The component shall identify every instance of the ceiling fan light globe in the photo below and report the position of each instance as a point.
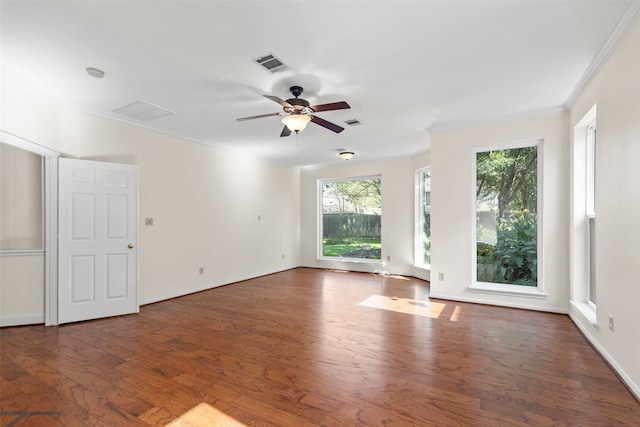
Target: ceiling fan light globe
(296, 122)
(347, 155)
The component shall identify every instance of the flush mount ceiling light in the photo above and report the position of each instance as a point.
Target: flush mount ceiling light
(296, 122)
(95, 72)
(346, 154)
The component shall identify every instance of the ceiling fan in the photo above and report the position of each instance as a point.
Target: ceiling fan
(298, 112)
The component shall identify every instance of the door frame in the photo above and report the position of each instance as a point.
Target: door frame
(50, 204)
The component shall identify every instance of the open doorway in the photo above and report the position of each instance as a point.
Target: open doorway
(28, 238)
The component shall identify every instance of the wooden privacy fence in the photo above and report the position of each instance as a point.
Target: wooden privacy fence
(342, 225)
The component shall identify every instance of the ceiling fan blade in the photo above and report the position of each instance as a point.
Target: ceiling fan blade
(324, 123)
(285, 132)
(278, 100)
(242, 119)
(332, 106)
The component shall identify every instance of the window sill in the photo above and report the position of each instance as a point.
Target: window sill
(425, 267)
(517, 290)
(588, 313)
(352, 260)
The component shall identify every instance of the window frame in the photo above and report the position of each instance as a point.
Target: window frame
(590, 210)
(580, 223)
(418, 257)
(505, 288)
(320, 228)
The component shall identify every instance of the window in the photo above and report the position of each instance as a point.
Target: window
(351, 218)
(423, 230)
(583, 219)
(591, 211)
(507, 221)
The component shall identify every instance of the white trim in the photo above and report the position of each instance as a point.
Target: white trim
(507, 289)
(508, 304)
(22, 319)
(425, 267)
(587, 332)
(453, 126)
(609, 47)
(579, 264)
(204, 288)
(50, 197)
(51, 240)
(588, 313)
(16, 141)
(22, 252)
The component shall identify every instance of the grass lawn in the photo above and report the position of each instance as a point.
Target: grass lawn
(355, 244)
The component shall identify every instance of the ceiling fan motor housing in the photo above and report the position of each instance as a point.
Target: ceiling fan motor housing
(296, 91)
(298, 105)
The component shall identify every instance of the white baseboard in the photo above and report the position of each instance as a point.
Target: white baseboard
(587, 331)
(500, 303)
(22, 319)
(202, 288)
(179, 294)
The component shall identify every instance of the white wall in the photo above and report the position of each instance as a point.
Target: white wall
(20, 199)
(452, 210)
(205, 202)
(398, 193)
(21, 290)
(616, 91)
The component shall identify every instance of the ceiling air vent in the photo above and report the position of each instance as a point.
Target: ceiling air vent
(353, 122)
(143, 111)
(271, 63)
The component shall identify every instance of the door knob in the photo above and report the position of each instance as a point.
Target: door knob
(130, 245)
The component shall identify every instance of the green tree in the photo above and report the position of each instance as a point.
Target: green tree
(511, 175)
(360, 194)
(355, 196)
(506, 180)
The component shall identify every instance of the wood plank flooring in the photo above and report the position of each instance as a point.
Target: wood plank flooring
(310, 347)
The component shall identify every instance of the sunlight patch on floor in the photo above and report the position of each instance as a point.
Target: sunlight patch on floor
(204, 415)
(457, 312)
(404, 305)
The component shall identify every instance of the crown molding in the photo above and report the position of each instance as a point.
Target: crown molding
(24, 144)
(629, 18)
(452, 126)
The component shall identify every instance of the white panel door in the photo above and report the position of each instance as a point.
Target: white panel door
(97, 236)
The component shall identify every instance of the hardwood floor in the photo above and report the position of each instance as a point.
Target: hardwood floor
(311, 347)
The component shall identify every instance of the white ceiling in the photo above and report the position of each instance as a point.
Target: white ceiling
(407, 68)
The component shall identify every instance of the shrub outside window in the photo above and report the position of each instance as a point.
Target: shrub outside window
(507, 220)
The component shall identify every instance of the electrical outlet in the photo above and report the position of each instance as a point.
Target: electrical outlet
(282, 256)
(201, 270)
(611, 322)
(388, 258)
(259, 217)
(441, 277)
(148, 221)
